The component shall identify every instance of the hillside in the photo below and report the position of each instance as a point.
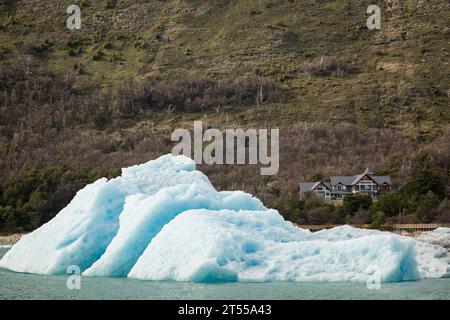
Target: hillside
(77, 105)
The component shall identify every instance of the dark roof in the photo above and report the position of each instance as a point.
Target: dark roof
(345, 180)
(310, 186)
(359, 177)
(352, 180)
(382, 179)
(307, 186)
(378, 179)
(327, 184)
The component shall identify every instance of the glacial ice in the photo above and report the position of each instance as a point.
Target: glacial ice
(163, 220)
(255, 246)
(144, 216)
(440, 236)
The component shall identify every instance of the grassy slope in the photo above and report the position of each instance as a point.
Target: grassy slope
(402, 70)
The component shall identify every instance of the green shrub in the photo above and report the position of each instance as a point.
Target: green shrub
(353, 203)
(378, 220)
(111, 4)
(98, 55)
(390, 203)
(34, 198)
(102, 119)
(426, 177)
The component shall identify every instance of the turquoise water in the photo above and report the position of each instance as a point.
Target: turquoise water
(27, 286)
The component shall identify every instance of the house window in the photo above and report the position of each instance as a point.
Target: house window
(339, 187)
(357, 188)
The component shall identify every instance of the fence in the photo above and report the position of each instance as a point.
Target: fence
(390, 227)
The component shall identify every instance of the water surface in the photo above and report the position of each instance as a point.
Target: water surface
(28, 286)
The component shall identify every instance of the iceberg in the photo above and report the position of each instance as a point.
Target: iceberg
(144, 216)
(440, 237)
(254, 246)
(163, 220)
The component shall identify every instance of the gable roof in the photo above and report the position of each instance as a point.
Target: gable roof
(345, 180)
(377, 179)
(310, 186)
(327, 184)
(352, 180)
(368, 172)
(307, 186)
(360, 177)
(382, 179)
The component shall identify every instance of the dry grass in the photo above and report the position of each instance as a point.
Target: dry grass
(329, 66)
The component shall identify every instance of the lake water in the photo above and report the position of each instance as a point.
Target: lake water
(27, 286)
